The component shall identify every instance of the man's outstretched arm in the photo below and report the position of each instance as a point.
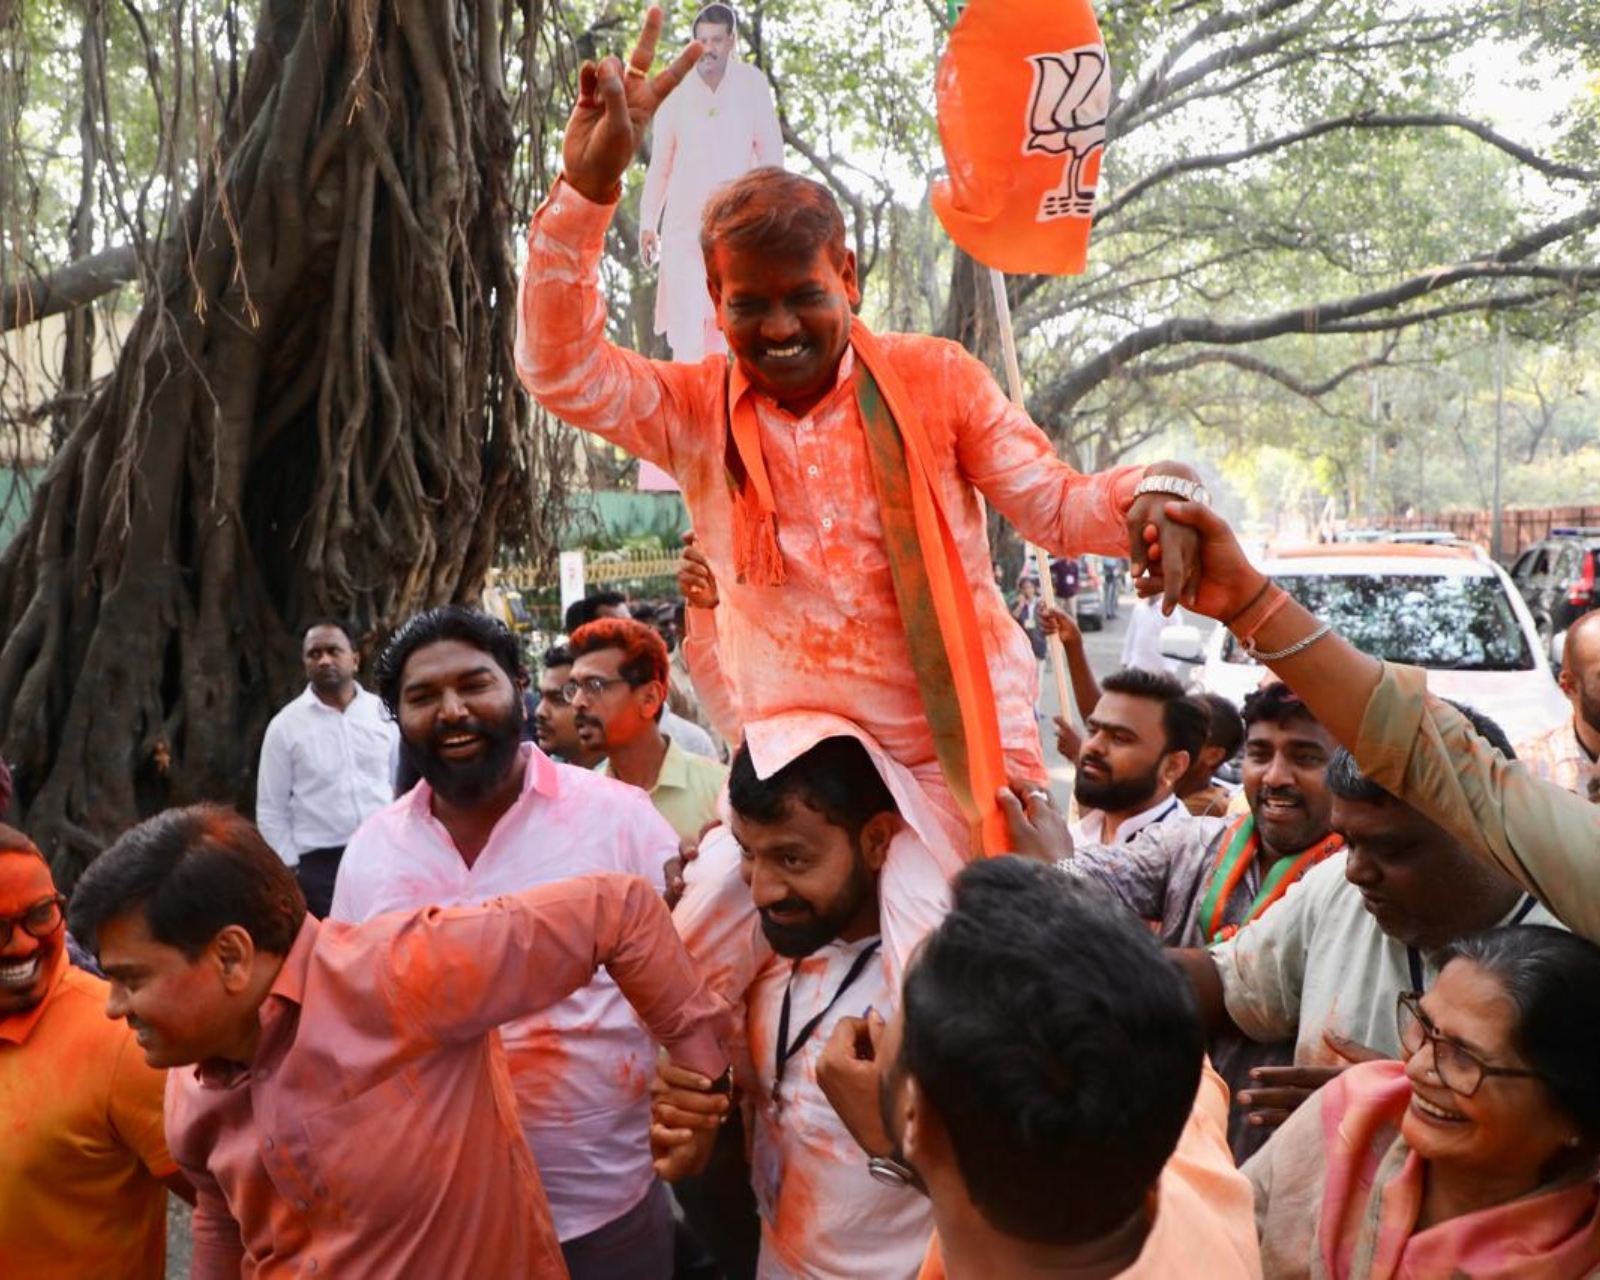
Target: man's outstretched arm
(1407, 741)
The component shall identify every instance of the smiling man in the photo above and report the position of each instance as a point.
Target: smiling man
(338, 1094)
(327, 764)
(494, 816)
(1325, 965)
(1142, 736)
(1204, 879)
(84, 1169)
(837, 482)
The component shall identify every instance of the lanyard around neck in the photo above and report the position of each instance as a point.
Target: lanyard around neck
(1414, 957)
(785, 1048)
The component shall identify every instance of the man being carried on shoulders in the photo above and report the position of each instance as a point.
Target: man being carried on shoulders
(836, 480)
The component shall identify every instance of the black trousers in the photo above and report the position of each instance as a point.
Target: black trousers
(316, 872)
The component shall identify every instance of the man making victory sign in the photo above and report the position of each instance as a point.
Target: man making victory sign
(835, 478)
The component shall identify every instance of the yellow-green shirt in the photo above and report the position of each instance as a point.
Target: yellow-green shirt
(686, 790)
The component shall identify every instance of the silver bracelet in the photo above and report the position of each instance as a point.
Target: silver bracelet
(1249, 645)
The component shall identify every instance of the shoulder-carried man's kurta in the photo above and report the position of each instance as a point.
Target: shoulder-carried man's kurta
(831, 638)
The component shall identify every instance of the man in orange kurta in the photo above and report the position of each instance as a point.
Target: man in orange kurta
(84, 1168)
(827, 634)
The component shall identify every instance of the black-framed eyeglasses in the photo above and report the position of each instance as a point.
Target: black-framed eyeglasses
(38, 921)
(1459, 1070)
(594, 686)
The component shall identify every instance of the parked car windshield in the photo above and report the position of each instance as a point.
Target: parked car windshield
(1423, 620)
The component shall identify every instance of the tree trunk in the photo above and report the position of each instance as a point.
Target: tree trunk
(316, 412)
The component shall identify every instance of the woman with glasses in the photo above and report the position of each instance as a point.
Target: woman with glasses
(1476, 1155)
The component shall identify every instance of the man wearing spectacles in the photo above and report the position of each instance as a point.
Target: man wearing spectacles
(618, 692)
(84, 1168)
(492, 816)
(554, 725)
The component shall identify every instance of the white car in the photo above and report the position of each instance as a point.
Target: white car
(1446, 609)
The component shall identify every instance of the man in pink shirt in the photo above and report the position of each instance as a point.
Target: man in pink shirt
(493, 816)
(350, 1113)
(773, 454)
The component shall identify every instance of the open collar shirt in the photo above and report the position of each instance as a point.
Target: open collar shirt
(835, 625)
(1319, 962)
(324, 771)
(823, 1217)
(1089, 829)
(581, 1067)
(374, 1133)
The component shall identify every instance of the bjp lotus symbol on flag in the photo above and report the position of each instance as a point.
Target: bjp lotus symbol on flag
(1024, 90)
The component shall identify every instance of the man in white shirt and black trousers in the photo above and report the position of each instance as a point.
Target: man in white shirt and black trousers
(327, 762)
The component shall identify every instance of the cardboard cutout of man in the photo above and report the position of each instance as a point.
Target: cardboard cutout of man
(720, 123)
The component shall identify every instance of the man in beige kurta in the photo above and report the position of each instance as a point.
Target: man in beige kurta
(719, 123)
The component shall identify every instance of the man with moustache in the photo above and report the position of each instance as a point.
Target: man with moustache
(1202, 880)
(554, 728)
(327, 764)
(84, 1167)
(495, 816)
(1326, 963)
(783, 914)
(1567, 754)
(618, 692)
(1143, 734)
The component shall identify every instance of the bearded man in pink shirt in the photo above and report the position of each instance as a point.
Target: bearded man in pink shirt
(494, 815)
(349, 1112)
(837, 481)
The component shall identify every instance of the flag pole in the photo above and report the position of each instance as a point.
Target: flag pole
(1047, 591)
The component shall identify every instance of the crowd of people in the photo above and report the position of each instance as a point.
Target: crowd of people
(759, 948)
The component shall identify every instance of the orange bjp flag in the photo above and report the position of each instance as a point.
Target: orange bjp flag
(1024, 87)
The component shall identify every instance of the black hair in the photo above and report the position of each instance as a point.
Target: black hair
(588, 609)
(557, 655)
(836, 778)
(343, 628)
(1346, 780)
(1184, 720)
(1273, 703)
(720, 14)
(1224, 728)
(193, 872)
(446, 622)
(1553, 979)
(1059, 1047)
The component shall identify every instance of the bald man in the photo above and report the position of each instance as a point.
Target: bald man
(1566, 755)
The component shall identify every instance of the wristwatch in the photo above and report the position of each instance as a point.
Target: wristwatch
(1177, 486)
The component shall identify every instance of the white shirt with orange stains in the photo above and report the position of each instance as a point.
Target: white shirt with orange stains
(581, 1069)
(822, 1215)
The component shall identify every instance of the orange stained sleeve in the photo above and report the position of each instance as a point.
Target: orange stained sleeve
(459, 972)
